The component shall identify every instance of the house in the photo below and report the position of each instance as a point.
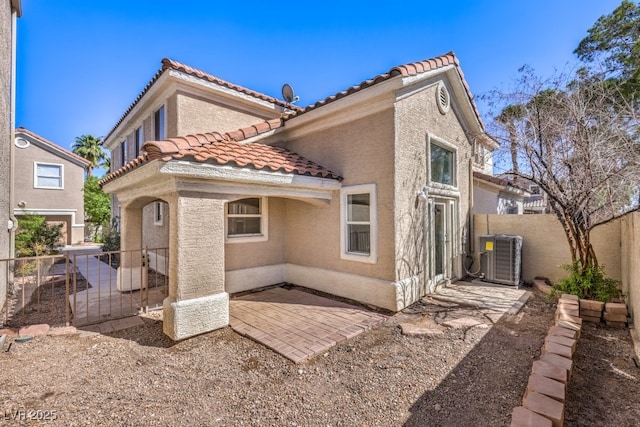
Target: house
(364, 195)
(536, 201)
(495, 195)
(49, 181)
(10, 11)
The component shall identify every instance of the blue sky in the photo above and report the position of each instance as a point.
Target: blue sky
(81, 63)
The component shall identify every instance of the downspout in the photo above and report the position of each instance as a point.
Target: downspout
(13, 222)
(470, 234)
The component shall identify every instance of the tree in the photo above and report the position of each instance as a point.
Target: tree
(611, 49)
(97, 205)
(89, 147)
(575, 138)
(106, 164)
(508, 118)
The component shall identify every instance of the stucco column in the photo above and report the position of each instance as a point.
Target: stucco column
(130, 275)
(197, 302)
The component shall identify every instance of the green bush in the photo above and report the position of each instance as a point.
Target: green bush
(592, 284)
(111, 244)
(35, 237)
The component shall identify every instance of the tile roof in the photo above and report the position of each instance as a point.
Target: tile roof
(170, 64)
(406, 70)
(497, 180)
(227, 149)
(54, 146)
(198, 146)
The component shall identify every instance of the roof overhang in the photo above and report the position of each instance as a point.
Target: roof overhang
(158, 179)
(17, 6)
(510, 189)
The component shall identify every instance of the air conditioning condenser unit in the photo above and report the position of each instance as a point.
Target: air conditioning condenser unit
(501, 259)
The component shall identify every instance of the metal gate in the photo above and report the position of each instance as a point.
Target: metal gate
(81, 287)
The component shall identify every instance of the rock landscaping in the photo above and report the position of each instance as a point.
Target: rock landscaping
(471, 373)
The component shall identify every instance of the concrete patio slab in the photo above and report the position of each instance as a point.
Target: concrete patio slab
(298, 324)
(498, 298)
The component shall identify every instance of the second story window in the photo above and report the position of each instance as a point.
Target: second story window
(158, 123)
(123, 152)
(442, 165)
(139, 137)
(48, 176)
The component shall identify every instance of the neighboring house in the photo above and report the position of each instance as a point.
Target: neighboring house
(365, 194)
(495, 195)
(49, 181)
(536, 201)
(10, 10)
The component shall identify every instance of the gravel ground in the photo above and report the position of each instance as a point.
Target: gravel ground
(467, 376)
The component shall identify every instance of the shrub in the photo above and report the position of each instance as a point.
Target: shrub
(35, 237)
(111, 244)
(592, 284)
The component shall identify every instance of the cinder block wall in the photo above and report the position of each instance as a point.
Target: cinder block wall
(630, 267)
(545, 245)
(545, 248)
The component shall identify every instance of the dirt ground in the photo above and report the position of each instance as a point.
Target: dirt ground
(472, 374)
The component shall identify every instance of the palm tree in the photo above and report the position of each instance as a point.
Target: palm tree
(106, 164)
(508, 117)
(89, 147)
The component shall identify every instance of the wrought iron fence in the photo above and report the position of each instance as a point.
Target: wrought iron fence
(82, 288)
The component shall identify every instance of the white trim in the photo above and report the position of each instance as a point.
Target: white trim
(35, 175)
(391, 295)
(442, 143)
(367, 290)
(49, 212)
(264, 222)
(22, 142)
(441, 90)
(246, 279)
(370, 189)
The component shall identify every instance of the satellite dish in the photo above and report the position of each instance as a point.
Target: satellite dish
(288, 95)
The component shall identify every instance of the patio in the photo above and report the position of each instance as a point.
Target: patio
(298, 324)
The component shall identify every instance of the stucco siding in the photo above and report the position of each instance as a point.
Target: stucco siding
(361, 152)
(5, 130)
(418, 123)
(198, 115)
(630, 267)
(259, 254)
(69, 197)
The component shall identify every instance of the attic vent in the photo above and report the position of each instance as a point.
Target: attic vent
(21, 143)
(443, 98)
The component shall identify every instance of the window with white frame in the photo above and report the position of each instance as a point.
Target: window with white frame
(442, 162)
(139, 139)
(247, 219)
(158, 213)
(48, 175)
(158, 123)
(358, 223)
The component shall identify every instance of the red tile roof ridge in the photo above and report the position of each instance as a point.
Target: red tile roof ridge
(405, 70)
(497, 180)
(53, 145)
(170, 64)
